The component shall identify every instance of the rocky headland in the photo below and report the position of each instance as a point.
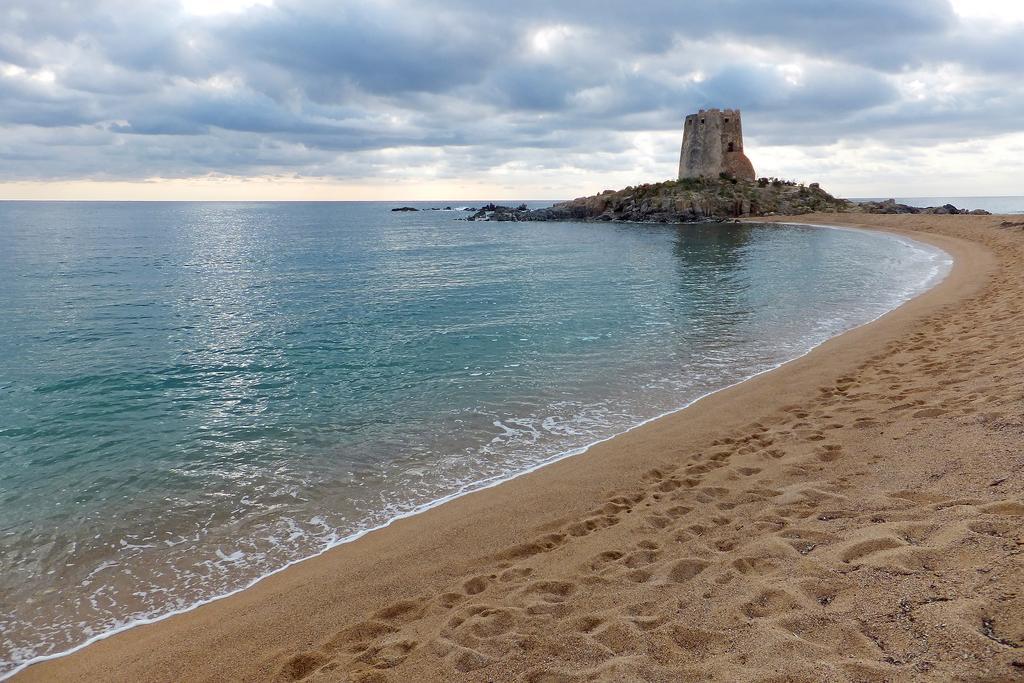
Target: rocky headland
(702, 199)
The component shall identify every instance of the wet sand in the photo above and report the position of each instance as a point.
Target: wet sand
(856, 515)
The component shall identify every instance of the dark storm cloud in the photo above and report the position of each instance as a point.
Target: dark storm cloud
(316, 87)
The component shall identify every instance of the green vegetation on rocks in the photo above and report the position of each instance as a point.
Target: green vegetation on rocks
(700, 199)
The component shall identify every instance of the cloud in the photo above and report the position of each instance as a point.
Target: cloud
(111, 89)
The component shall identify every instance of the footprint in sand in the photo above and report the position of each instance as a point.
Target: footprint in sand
(478, 584)
(685, 570)
(863, 549)
(640, 558)
(696, 640)
(402, 611)
(754, 566)
(591, 524)
(542, 545)
(771, 602)
(604, 559)
(301, 665)
(1010, 508)
(358, 637)
(389, 654)
(515, 574)
(658, 521)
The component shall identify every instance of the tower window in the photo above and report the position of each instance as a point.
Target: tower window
(702, 120)
(727, 120)
(731, 148)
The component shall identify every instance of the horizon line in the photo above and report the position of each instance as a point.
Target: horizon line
(872, 197)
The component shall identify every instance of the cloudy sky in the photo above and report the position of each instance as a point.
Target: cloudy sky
(470, 99)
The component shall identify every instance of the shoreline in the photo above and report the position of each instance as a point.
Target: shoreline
(396, 540)
(933, 280)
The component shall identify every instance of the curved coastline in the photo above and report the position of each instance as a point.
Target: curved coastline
(956, 277)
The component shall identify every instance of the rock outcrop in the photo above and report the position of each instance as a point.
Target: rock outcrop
(701, 199)
(681, 201)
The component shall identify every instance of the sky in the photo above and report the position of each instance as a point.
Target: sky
(474, 99)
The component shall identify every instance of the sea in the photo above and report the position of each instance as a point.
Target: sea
(196, 395)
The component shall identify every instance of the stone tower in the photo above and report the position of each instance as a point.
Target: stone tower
(713, 144)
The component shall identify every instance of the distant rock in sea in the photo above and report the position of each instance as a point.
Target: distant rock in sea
(890, 206)
(405, 208)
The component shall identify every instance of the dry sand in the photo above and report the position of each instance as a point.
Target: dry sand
(853, 516)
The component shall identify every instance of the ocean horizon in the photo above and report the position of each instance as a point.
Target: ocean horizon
(205, 392)
(998, 204)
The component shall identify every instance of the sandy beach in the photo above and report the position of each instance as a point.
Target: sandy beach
(855, 515)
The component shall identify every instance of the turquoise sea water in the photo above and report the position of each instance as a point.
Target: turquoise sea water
(193, 395)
